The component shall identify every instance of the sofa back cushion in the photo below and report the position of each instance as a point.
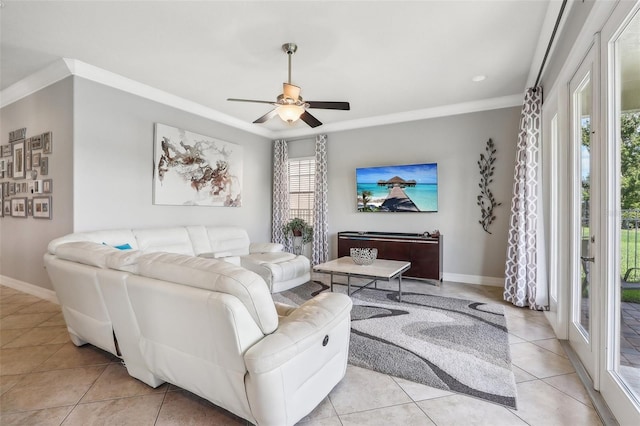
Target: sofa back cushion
(229, 239)
(218, 276)
(113, 238)
(170, 240)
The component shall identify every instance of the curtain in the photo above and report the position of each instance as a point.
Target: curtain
(320, 248)
(280, 214)
(525, 270)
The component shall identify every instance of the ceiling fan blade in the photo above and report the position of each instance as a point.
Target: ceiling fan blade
(250, 100)
(310, 119)
(268, 116)
(290, 91)
(329, 105)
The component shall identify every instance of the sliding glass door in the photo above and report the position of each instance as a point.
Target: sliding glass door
(620, 385)
(583, 325)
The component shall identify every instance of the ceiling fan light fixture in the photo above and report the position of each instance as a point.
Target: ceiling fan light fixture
(290, 113)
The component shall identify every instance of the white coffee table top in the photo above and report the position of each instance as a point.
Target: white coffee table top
(379, 268)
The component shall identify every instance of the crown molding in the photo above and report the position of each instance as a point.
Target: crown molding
(52, 73)
(416, 115)
(65, 67)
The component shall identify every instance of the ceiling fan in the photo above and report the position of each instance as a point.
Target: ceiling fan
(289, 105)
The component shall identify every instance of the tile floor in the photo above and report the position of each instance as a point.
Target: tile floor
(46, 380)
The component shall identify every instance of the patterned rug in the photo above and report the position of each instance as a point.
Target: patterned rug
(451, 344)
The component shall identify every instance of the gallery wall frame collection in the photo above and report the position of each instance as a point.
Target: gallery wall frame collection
(23, 163)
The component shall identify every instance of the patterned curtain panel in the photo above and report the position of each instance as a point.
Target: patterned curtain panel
(280, 213)
(320, 249)
(525, 275)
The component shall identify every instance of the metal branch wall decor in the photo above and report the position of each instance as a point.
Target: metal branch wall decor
(486, 201)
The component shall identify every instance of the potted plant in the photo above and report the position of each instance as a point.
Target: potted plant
(297, 227)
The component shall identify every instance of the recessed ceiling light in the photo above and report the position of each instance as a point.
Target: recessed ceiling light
(479, 78)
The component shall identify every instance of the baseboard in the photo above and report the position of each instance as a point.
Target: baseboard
(473, 279)
(25, 287)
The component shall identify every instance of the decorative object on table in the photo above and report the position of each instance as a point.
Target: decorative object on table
(42, 207)
(485, 200)
(195, 170)
(450, 344)
(363, 255)
(297, 232)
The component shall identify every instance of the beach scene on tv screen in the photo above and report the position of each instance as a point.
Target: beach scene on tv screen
(405, 188)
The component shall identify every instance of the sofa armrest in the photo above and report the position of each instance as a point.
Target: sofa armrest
(302, 329)
(265, 247)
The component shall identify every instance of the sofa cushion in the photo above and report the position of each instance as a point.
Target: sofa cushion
(86, 252)
(215, 275)
(228, 239)
(171, 240)
(111, 238)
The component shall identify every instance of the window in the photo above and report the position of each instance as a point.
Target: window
(301, 186)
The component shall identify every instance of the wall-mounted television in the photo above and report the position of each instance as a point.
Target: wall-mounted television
(405, 188)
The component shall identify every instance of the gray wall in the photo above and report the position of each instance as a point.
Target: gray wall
(24, 241)
(455, 143)
(113, 162)
(102, 169)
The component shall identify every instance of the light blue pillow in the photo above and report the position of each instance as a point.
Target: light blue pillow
(125, 246)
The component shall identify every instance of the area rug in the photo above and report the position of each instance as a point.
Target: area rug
(451, 344)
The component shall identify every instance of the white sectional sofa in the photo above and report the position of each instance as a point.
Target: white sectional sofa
(280, 270)
(204, 324)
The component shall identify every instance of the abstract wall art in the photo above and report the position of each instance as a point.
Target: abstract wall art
(195, 170)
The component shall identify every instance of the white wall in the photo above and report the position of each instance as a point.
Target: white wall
(455, 143)
(113, 162)
(23, 242)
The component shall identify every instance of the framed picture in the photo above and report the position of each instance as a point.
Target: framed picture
(17, 134)
(6, 207)
(195, 170)
(5, 188)
(35, 159)
(18, 150)
(5, 151)
(47, 143)
(27, 161)
(44, 166)
(9, 169)
(42, 207)
(47, 186)
(12, 188)
(29, 207)
(19, 207)
(36, 142)
(35, 187)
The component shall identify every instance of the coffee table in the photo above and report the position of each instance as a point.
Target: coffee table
(380, 269)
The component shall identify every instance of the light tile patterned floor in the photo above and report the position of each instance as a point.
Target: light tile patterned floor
(46, 380)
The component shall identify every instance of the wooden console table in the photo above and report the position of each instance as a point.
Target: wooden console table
(424, 253)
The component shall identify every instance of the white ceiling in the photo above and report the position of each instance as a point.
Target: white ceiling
(387, 58)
